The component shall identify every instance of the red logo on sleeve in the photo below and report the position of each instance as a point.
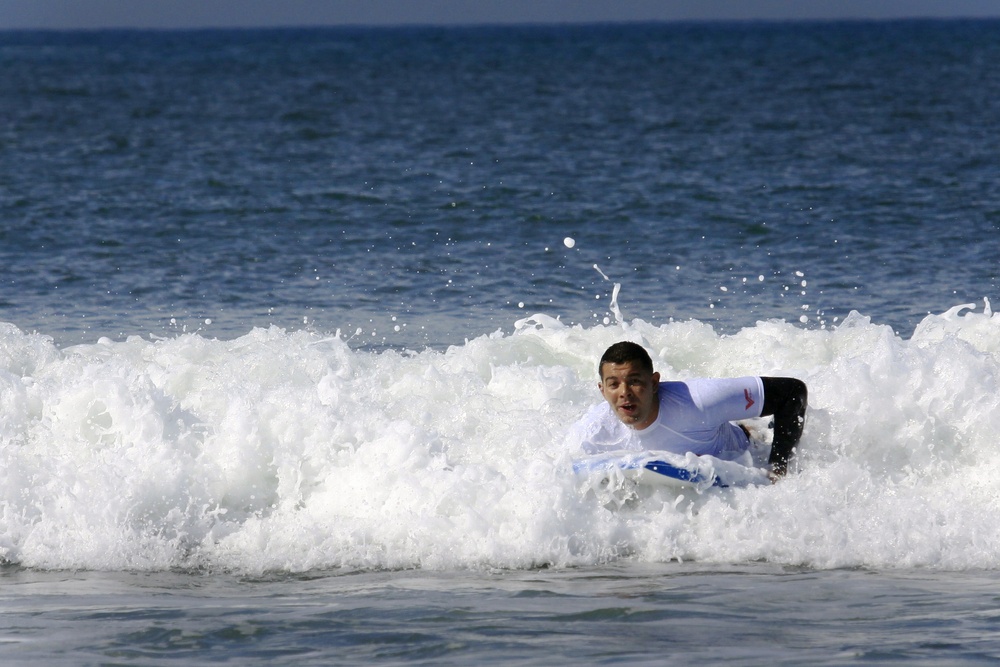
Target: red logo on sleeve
(750, 401)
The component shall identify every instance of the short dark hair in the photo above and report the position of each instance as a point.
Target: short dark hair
(625, 352)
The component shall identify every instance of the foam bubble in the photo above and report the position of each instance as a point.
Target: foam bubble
(292, 451)
(569, 242)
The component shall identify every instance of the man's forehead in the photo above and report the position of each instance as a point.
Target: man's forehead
(626, 369)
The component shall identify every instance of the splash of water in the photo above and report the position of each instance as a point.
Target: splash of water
(292, 451)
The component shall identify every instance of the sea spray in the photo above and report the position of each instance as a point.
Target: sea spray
(292, 451)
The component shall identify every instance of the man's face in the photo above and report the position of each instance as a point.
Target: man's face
(632, 393)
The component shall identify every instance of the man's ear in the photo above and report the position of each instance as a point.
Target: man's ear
(656, 382)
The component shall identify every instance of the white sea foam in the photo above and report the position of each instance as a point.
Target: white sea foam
(293, 451)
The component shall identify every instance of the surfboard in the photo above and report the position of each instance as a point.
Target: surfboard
(670, 470)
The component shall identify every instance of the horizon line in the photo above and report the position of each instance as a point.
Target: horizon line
(505, 24)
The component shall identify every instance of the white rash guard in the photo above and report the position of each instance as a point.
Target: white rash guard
(695, 416)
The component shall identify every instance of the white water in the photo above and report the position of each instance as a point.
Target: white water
(291, 451)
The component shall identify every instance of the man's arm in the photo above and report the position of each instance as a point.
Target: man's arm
(786, 399)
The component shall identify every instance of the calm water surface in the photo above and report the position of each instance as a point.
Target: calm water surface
(634, 614)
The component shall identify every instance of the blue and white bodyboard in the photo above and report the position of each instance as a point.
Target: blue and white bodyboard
(669, 469)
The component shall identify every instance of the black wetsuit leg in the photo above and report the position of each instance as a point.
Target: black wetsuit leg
(786, 399)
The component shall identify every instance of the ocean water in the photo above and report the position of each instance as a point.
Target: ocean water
(292, 324)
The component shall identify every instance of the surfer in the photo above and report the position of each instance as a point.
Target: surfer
(640, 412)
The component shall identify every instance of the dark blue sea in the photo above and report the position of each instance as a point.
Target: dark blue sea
(293, 322)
